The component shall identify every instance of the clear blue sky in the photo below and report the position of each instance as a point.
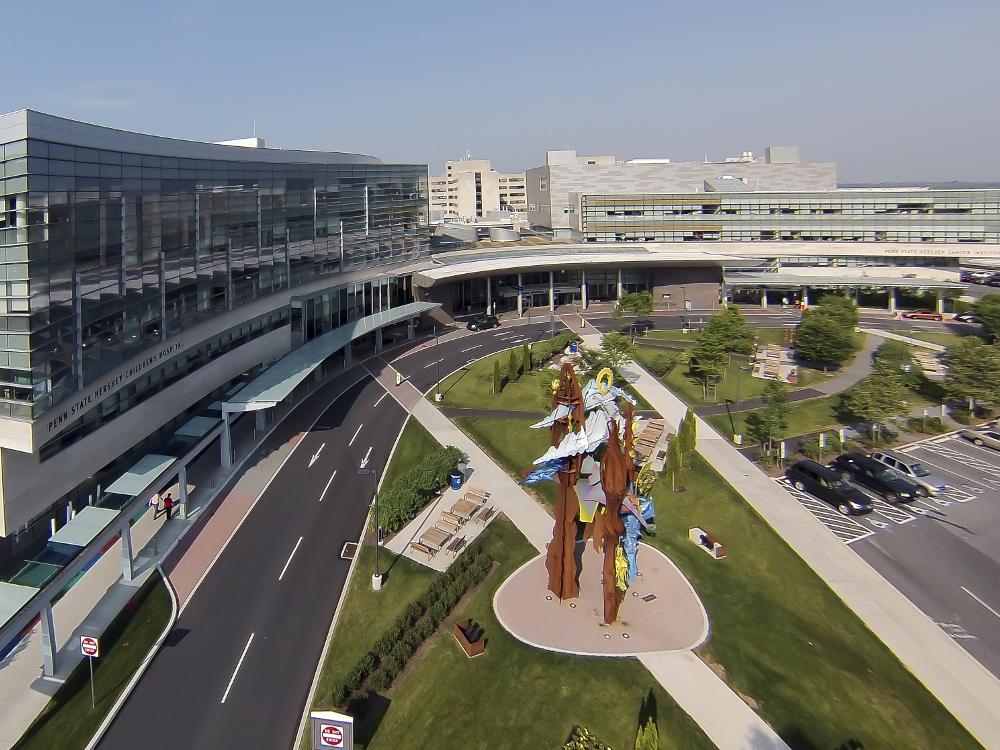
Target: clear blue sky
(890, 90)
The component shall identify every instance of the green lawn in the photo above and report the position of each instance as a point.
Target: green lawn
(414, 445)
(784, 639)
(472, 388)
(513, 695)
(68, 721)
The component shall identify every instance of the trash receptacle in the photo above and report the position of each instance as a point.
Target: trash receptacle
(573, 347)
(456, 480)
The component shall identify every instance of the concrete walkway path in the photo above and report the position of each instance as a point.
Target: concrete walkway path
(872, 332)
(961, 683)
(729, 722)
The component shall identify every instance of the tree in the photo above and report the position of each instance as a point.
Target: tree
(525, 358)
(635, 304)
(894, 357)
(732, 329)
(708, 360)
(840, 308)
(824, 338)
(973, 370)
(766, 423)
(512, 367)
(647, 738)
(618, 350)
(675, 461)
(873, 399)
(988, 310)
(687, 436)
(497, 383)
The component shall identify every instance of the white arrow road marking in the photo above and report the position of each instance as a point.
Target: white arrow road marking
(236, 671)
(289, 560)
(323, 494)
(981, 601)
(315, 456)
(381, 397)
(356, 433)
(364, 461)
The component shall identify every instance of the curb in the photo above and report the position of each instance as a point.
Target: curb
(137, 675)
(303, 721)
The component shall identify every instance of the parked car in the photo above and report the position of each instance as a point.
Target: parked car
(967, 317)
(923, 315)
(483, 322)
(993, 281)
(910, 468)
(988, 437)
(828, 486)
(864, 471)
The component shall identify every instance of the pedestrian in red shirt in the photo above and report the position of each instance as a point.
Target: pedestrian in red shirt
(168, 504)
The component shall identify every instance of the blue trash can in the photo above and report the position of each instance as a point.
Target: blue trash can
(573, 347)
(456, 480)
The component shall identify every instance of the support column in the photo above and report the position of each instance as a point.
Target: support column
(48, 641)
(804, 296)
(763, 298)
(520, 295)
(939, 306)
(583, 289)
(318, 374)
(489, 296)
(552, 291)
(182, 489)
(378, 340)
(348, 356)
(621, 287)
(225, 443)
(857, 296)
(411, 332)
(127, 554)
(260, 421)
(892, 299)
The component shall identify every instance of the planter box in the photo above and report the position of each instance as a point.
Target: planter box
(470, 636)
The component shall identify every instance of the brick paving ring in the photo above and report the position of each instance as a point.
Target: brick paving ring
(661, 611)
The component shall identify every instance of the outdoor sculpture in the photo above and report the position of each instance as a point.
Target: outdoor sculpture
(601, 496)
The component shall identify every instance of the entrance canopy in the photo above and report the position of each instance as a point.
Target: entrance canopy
(87, 524)
(277, 382)
(140, 476)
(794, 281)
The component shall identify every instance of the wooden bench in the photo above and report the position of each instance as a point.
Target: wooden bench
(486, 515)
(446, 526)
(472, 489)
(418, 547)
(708, 542)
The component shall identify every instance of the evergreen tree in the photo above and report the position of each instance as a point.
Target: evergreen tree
(647, 737)
(497, 383)
(512, 367)
(525, 358)
(675, 461)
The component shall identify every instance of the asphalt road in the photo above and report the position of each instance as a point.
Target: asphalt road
(942, 553)
(238, 666)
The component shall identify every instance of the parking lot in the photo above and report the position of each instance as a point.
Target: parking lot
(943, 553)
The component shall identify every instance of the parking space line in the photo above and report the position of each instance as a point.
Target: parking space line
(893, 513)
(987, 468)
(980, 601)
(980, 449)
(845, 528)
(961, 477)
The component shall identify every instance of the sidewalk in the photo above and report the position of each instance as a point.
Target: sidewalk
(961, 683)
(723, 716)
(906, 339)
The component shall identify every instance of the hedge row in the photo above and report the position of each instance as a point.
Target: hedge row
(403, 499)
(544, 350)
(377, 669)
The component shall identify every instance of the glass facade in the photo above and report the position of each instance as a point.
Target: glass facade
(842, 216)
(104, 253)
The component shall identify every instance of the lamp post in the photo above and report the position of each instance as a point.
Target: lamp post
(437, 356)
(377, 575)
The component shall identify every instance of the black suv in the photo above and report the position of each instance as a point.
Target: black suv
(829, 486)
(483, 322)
(869, 473)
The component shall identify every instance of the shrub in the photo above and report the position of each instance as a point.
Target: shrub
(582, 738)
(401, 500)
(386, 642)
(367, 663)
(512, 367)
(402, 651)
(425, 627)
(354, 679)
(662, 364)
(411, 640)
(412, 612)
(378, 681)
(933, 425)
(438, 611)
(339, 695)
(962, 416)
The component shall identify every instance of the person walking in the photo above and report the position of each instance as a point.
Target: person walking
(168, 504)
(154, 504)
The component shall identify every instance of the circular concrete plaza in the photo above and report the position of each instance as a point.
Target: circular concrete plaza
(660, 612)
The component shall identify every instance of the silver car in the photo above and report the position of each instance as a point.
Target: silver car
(911, 468)
(987, 437)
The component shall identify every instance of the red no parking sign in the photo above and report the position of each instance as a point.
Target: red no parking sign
(332, 736)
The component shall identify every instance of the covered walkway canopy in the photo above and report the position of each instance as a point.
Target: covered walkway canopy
(774, 280)
(278, 381)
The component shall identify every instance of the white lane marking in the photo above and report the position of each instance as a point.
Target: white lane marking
(471, 348)
(982, 482)
(364, 461)
(315, 456)
(289, 560)
(237, 670)
(436, 361)
(323, 494)
(356, 433)
(380, 398)
(995, 613)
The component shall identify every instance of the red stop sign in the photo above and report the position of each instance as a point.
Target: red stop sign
(331, 736)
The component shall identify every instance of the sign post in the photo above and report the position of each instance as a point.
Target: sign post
(90, 648)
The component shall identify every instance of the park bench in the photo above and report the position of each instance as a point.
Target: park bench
(418, 547)
(708, 542)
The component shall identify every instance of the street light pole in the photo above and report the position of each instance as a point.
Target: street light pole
(437, 356)
(377, 575)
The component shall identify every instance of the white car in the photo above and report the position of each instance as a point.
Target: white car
(911, 468)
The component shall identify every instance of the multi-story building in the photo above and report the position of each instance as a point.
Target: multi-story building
(141, 270)
(471, 189)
